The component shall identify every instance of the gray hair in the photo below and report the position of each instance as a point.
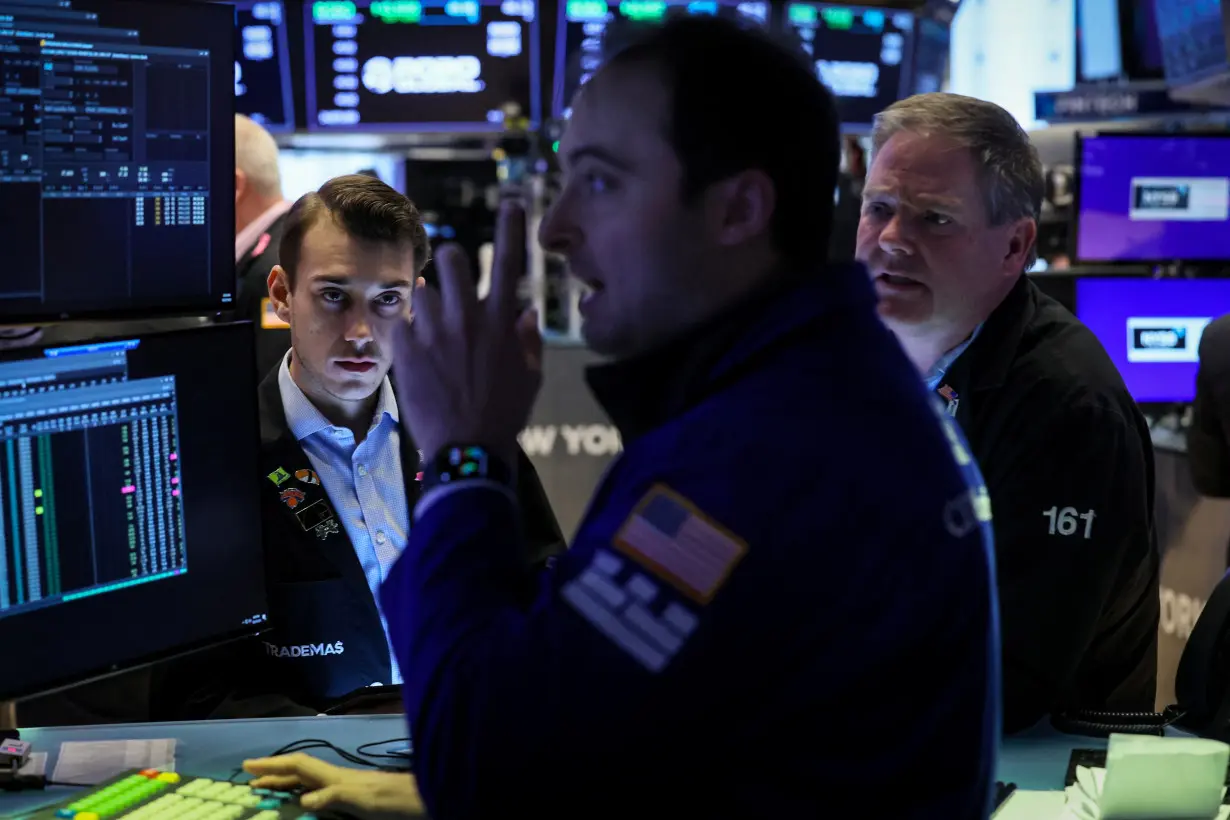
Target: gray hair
(1012, 177)
(256, 154)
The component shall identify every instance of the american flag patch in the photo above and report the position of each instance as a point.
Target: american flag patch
(669, 536)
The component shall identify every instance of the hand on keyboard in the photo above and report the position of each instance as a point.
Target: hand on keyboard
(328, 786)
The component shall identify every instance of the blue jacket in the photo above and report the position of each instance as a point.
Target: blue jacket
(779, 603)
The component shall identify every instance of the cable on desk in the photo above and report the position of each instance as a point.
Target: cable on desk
(357, 758)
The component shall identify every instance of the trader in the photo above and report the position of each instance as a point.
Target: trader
(339, 472)
(949, 225)
(738, 627)
(260, 218)
(1208, 438)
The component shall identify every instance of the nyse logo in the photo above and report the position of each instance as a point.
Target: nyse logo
(1159, 338)
(595, 440)
(1163, 197)
(1179, 613)
(305, 650)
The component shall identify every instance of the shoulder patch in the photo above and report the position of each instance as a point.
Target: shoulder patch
(673, 539)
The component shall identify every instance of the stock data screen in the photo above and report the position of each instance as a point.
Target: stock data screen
(116, 157)
(420, 65)
(861, 54)
(124, 505)
(262, 64)
(583, 23)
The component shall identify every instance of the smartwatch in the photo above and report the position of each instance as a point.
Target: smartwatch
(466, 462)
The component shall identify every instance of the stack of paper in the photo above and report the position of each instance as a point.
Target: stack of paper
(1153, 778)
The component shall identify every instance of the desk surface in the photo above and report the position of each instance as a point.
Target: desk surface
(1035, 760)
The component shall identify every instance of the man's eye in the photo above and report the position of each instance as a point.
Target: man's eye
(939, 219)
(389, 299)
(334, 296)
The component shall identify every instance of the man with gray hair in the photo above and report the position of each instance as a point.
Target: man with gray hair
(948, 229)
(260, 210)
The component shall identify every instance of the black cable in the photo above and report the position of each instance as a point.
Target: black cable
(359, 757)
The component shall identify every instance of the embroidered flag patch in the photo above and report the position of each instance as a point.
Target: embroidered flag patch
(668, 535)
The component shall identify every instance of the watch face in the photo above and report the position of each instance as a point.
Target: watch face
(467, 462)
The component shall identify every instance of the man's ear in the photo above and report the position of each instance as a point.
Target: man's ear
(279, 292)
(241, 183)
(741, 208)
(1022, 236)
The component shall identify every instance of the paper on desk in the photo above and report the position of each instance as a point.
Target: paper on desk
(89, 763)
(35, 766)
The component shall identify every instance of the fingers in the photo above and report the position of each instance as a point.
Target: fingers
(509, 264)
(530, 338)
(277, 782)
(298, 769)
(427, 317)
(457, 291)
(328, 796)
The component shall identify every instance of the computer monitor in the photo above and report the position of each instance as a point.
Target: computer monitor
(130, 524)
(117, 157)
(1151, 328)
(581, 26)
(445, 66)
(932, 50)
(1144, 198)
(263, 89)
(862, 54)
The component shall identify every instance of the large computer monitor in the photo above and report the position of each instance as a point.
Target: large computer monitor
(862, 54)
(1144, 198)
(1151, 328)
(446, 66)
(130, 522)
(116, 158)
(581, 26)
(263, 89)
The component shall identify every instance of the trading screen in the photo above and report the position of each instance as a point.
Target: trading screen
(108, 138)
(262, 64)
(861, 54)
(420, 65)
(1153, 198)
(1151, 329)
(1192, 38)
(124, 504)
(583, 23)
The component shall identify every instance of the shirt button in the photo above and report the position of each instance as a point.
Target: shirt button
(362, 469)
(380, 539)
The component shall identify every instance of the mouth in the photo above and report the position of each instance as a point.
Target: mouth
(896, 282)
(356, 365)
(589, 289)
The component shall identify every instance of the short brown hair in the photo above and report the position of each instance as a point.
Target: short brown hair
(365, 208)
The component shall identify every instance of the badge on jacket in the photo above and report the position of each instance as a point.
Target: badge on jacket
(949, 395)
(292, 497)
(307, 477)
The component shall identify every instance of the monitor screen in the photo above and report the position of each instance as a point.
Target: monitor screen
(861, 54)
(262, 64)
(124, 504)
(1153, 198)
(582, 25)
(117, 156)
(1151, 328)
(1193, 40)
(1100, 55)
(932, 46)
(426, 65)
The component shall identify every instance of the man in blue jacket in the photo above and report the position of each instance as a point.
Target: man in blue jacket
(754, 620)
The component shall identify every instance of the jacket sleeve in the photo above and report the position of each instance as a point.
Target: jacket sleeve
(595, 669)
(1208, 438)
(1071, 507)
(542, 533)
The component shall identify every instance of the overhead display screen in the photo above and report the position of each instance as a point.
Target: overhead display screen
(861, 54)
(420, 65)
(262, 64)
(1153, 198)
(1151, 329)
(582, 25)
(1193, 39)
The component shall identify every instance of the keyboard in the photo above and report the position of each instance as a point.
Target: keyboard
(156, 795)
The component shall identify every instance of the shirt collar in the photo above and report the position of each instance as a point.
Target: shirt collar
(304, 419)
(936, 374)
(246, 239)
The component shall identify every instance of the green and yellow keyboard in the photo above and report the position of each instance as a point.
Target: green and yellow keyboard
(157, 795)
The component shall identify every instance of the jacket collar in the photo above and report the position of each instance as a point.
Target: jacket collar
(643, 392)
(986, 362)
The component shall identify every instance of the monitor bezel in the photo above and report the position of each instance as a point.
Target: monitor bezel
(230, 636)
(1078, 165)
(219, 263)
(311, 109)
(285, 68)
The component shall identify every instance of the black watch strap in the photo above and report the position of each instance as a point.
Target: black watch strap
(466, 462)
